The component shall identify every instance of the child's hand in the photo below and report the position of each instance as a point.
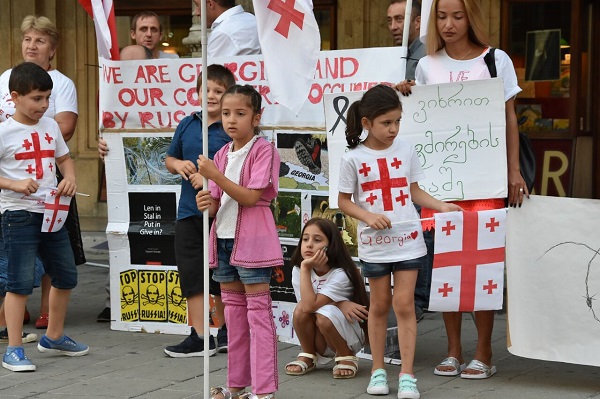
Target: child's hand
(203, 200)
(378, 222)
(317, 260)
(26, 186)
(66, 188)
(449, 207)
(353, 311)
(185, 168)
(196, 180)
(207, 168)
(102, 148)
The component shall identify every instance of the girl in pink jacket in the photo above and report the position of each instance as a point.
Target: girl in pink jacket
(244, 243)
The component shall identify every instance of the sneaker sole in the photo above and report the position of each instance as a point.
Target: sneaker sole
(61, 352)
(222, 349)
(408, 395)
(211, 353)
(378, 391)
(10, 367)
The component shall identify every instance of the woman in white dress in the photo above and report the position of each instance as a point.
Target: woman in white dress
(330, 318)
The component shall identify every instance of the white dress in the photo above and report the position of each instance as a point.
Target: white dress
(335, 285)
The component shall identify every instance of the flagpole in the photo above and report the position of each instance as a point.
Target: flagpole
(405, 33)
(205, 216)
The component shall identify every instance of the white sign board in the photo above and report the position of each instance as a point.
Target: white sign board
(458, 130)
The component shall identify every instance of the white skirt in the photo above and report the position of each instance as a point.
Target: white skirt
(352, 333)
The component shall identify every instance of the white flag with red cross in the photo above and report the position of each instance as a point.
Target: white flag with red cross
(468, 262)
(56, 211)
(290, 43)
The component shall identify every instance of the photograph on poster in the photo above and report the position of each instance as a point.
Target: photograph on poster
(145, 161)
(304, 161)
(286, 210)
(346, 224)
(281, 277)
(543, 55)
(176, 303)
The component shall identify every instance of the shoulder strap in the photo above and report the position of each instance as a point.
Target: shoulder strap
(490, 61)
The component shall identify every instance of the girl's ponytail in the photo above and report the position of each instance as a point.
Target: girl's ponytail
(376, 101)
(353, 125)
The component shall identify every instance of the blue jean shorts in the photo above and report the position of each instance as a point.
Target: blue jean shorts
(383, 269)
(226, 273)
(23, 241)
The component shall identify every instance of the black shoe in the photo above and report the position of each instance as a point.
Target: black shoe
(192, 346)
(419, 313)
(222, 339)
(104, 316)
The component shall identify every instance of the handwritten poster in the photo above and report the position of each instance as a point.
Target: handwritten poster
(458, 130)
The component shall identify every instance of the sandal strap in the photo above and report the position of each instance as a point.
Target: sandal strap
(308, 355)
(227, 394)
(352, 359)
(300, 363)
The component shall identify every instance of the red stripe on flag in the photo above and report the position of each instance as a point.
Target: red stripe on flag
(468, 259)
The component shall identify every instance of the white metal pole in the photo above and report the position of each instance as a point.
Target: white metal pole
(405, 34)
(203, 41)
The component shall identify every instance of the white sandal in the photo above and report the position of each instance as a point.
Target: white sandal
(251, 395)
(338, 366)
(226, 393)
(305, 368)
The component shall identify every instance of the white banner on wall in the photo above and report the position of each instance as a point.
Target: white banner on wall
(458, 130)
(158, 94)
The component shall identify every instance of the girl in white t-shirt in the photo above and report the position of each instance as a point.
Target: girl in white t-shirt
(382, 172)
(329, 319)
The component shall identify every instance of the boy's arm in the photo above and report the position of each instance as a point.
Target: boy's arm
(26, 186)
(180, 167)
(67, 186)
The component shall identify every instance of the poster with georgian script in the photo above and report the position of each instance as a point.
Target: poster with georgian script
(458, 130)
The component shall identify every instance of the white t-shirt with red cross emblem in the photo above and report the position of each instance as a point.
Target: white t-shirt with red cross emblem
(380, 183)
(29, 152)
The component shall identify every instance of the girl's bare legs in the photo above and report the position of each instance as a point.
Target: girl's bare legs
(334, 341)
(404, 308)
(311, 339)
(453, 324)
(380, 303)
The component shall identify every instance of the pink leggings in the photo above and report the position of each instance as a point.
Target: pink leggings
(251, 341)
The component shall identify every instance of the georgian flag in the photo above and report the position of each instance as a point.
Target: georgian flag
(468, 262)
(103, 13)
(290, 43)
(56, 211)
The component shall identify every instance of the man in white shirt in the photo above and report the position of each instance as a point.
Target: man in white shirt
(233, 31)
(146, 30)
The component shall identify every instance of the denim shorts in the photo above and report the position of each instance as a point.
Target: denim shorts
(226, 273)
(383, 269)
(24, 240)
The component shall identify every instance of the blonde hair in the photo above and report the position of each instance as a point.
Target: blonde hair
(42, 25)
(477, 32)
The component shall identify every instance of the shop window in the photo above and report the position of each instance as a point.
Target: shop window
(550, 58)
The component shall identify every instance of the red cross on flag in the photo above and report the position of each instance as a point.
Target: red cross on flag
(290, 43)
(56, 211)
(468, 263)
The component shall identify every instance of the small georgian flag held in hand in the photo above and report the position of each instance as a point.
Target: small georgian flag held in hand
(56, 211)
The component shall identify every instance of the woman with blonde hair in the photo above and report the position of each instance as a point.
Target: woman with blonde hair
(39, 41)
(457, 46)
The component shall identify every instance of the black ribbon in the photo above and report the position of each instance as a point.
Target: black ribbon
(340, 113)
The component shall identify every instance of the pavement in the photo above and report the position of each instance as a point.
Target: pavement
(133, 365)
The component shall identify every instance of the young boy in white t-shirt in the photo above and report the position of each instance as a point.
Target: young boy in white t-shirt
(31, 148)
